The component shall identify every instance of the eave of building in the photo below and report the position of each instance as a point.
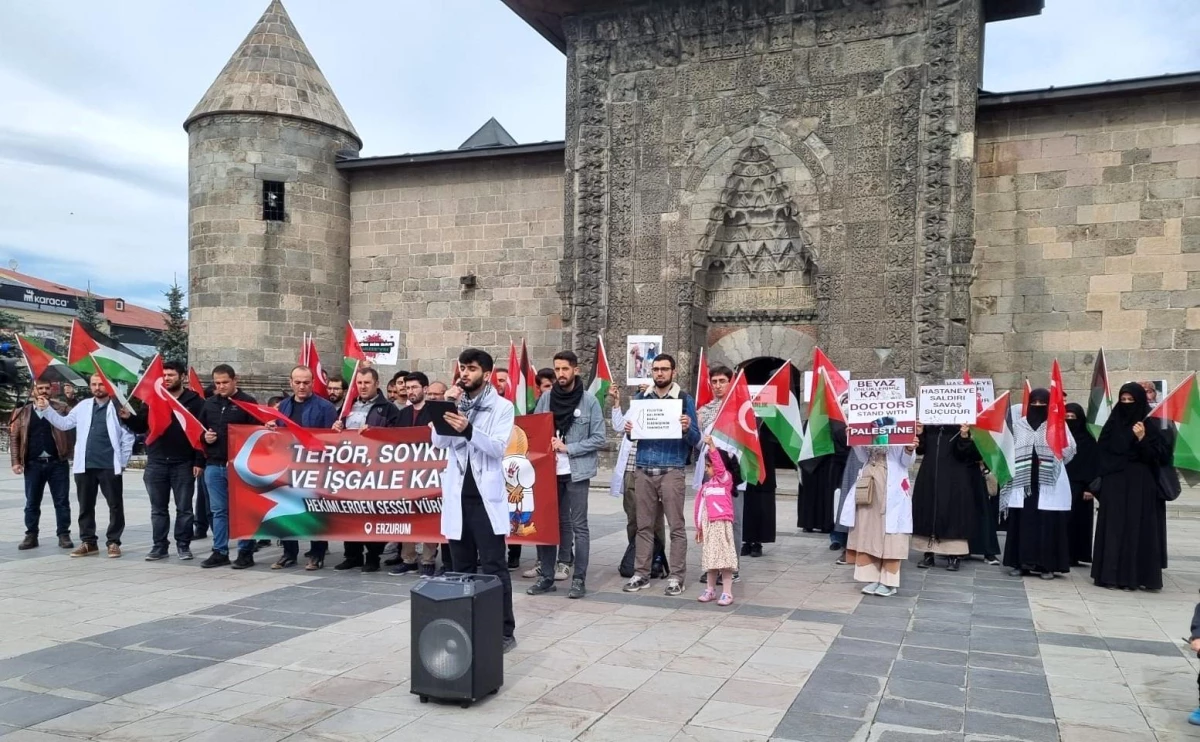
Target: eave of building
(546, 16)
(1137, 85)
(449, 155)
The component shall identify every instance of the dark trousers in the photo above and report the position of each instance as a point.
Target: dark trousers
(166, 480)
(574, 538)
(480, 550)
(373, 549)
(316, 549)
(201, 515)
(57, 474)
(111, 486)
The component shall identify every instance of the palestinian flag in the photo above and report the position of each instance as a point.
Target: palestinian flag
(834, 379)
(779, 409)
(108, 385)
(352, 355)
(351, 394)
(1182, 407)
(736, 430)
(993, 437)
(601, 375)
(1099, 405)
(704, 391)
(1056, 415)
(194, 382)
(43, 363)
(523, 384)
(85, 354)
(818, 434)
(289, 518)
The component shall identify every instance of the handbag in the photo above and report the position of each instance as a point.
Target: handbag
(864, 491)
(1169, 488)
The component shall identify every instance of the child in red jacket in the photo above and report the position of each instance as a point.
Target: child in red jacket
(714, 523)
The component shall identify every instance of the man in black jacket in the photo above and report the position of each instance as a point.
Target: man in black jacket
(372, 409)
(172, 465)
(216, 416)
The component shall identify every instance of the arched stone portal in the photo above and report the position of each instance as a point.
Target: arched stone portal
(759, 341)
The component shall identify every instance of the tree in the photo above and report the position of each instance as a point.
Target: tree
(88, 315)
(173, 341)
(14, 392)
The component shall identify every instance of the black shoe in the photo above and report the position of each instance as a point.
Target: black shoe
(543, 585)
(403, 569)
(509, 643)
(393, 561)
(371, 566)
(245, 560)
(65, 542)
(578, 589)
(156, 555)
(756, 550)
(514, 563)
(215, 559)
(29, 542)
(745, 549)
(927, 561)
(833, 546)
(347, 564)
(427, 570)
(200, 534)
(439, 571)
(952, 564)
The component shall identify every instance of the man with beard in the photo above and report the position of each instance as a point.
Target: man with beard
(42, 454)
(474, 504)
(102, 450)
(659, 478)
(436, 392)
(578, 436)
(336, 389)
(371, 410)
(172, 465)
(69, 397)
(415, 414)
(217, 414)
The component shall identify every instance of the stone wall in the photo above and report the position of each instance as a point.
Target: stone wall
(417, 229)
(857, 117)
(254, 286)
(1088, 236)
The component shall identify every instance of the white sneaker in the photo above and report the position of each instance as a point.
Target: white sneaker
(675, 587)
(532, 572)
(870, 589)
(562, 571)
(884, 591)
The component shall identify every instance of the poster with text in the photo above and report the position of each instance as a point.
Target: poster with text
(948, 404)
(876, 389)
(381, 485)
(640, 352)
(381, 347)
(983, 387)
(881, 422)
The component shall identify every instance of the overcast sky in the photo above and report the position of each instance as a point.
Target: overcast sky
(93, 157)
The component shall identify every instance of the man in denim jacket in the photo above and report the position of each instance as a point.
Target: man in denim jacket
(579, 434)
(660, 478)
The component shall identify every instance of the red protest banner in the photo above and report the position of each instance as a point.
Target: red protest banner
(381, 486)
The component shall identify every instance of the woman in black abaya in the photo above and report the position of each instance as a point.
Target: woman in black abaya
(1082, 471)
(1038, 498)
(758, 511)
(944, 496)
(819, 478)
(1129, 548)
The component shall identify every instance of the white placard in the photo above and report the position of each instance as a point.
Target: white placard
(877, 389)
(381, 347)
(983, 387)
(952, 404)
(808, 380)
(655, 419)
(870, 410)
(640, 352)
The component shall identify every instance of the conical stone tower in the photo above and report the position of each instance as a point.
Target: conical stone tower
(269, 213)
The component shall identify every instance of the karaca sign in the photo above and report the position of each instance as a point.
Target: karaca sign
(381, 485)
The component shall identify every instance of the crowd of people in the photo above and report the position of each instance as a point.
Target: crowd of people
(861, 496)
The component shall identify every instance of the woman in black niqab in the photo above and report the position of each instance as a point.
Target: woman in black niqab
(1082, 471)
(1129, 546)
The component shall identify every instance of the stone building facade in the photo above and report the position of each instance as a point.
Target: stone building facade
(754, 177)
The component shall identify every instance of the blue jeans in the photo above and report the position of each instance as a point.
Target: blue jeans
(839, 537)
(574, 538)
(57, 474)
(217, 480)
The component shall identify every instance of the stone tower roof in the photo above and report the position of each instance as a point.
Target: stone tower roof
(491, 134)
(273, 72)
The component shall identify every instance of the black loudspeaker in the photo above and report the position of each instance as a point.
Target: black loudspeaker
(457, 637)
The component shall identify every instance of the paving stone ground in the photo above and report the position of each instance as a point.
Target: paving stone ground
(124, 650)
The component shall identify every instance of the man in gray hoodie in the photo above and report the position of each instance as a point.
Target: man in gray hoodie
(578, 436)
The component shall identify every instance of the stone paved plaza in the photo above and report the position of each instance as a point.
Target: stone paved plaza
(127, 650)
